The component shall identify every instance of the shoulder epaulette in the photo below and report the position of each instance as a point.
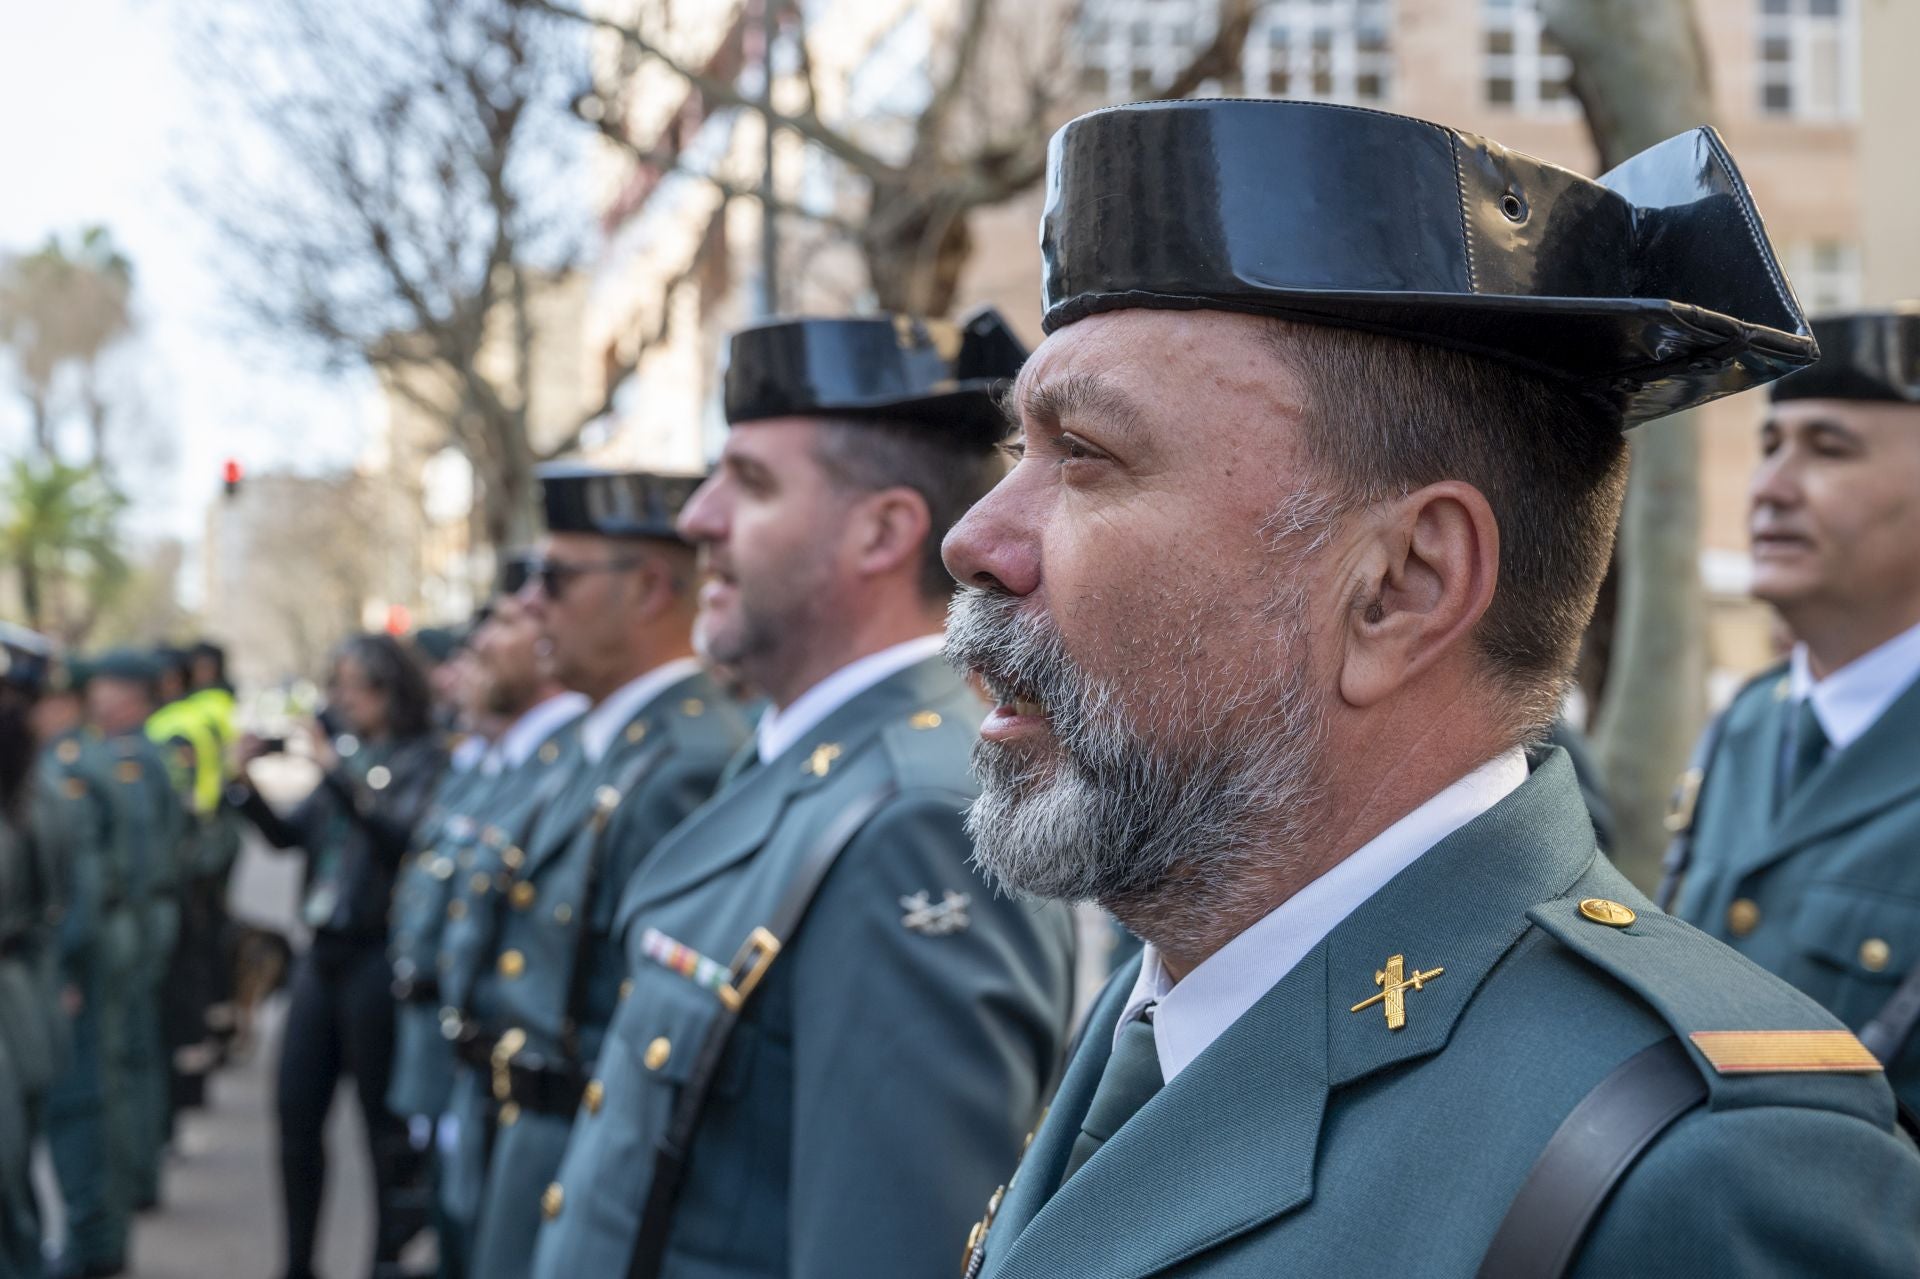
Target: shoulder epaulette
(1756, 1040)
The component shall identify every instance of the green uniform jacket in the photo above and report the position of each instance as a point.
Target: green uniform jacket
(1825, 892)
(538, 974)
(1312, 1140)
(883, 1072)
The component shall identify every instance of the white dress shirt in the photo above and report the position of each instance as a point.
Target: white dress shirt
(532, 728)
(1198, 1009)
(780, 729)
(1849, 701)
(470, 754)
(604, 722)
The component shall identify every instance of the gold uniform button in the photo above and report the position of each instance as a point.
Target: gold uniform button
(67, 752)
(457, 908)
(657, 1053)
(1874, 954)
(596, 1092)
(1610, 913)
(512, 964)
(626, 988)
(509, 1114)
(479, 884)
(636, 733)
(513, 857)
(552, 1200)
(1743, 916)
(925, 719)
(522, 895)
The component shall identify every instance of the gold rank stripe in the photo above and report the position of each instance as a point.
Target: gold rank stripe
(1753, 1052)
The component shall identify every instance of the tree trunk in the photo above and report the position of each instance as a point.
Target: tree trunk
(915, 252)
(30, 592)
(1640, 73)
(42, 416)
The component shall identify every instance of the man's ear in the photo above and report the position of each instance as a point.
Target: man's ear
(1427, 573)
(890, 529)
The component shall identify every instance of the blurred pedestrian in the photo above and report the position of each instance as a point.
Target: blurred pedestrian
(377, 772)
(1804, 838)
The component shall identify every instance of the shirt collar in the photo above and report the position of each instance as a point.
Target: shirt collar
(1849, 701)
(469, 754)
(605, 721)
(1197, 1010)
(531, 729)
(780, 729)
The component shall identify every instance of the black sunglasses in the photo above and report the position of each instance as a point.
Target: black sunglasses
(553, 575)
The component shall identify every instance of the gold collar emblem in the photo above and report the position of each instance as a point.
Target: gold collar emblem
(1394, 984)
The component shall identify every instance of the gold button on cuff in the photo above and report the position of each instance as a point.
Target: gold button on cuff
(1611, 913)
(552, 1200)
(457, 908)
(1743, 916)
(1874, 954)
(509, 1114)
(522, 895)
(596, 1092)
(657, 1053)
(512, 964)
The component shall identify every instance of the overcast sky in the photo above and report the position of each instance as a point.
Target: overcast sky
(95, 121)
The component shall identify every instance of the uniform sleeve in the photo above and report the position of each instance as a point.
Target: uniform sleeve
(1776, 1191)
(920, 1061)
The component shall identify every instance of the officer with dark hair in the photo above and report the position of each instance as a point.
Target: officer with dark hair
(832, 1033)
(1805, 809)
(1321, 463)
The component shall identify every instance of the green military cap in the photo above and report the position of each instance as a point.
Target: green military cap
(130, 664)
(437, 643)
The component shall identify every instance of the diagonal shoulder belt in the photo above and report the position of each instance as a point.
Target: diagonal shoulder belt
(1587, 1157)
(670, 1154)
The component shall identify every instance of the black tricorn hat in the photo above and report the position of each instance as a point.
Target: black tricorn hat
(932, 372)
(26, 658)
(1864, 355)
(1652, 286)
(584, 499)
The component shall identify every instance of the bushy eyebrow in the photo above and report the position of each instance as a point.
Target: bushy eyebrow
(1079, 395)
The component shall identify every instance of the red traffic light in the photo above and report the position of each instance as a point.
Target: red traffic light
(230, 476)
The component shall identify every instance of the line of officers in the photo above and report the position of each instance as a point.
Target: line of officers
(686, 984)
(114, 858)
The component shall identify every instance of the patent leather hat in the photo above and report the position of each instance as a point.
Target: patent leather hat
(933, 373)
(584, 499)
(1652, 287)
(1864, 355)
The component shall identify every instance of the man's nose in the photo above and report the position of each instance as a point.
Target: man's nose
(994, 546)
(702, 518)
(1776, 482)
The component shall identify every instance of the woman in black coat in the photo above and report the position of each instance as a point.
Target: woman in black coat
(376, 776)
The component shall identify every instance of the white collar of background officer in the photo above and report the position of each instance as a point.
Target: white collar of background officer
(1850, 700)
(780, 730)
(532, 728)
(604, 722)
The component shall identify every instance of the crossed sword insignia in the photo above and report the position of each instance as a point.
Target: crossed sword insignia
(1394, 984)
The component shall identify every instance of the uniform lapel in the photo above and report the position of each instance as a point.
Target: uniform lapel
(736, 822)
(1877, 770)
(1231, 1142)
(1750, 759)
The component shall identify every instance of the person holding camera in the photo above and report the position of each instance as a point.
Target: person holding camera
(378, 768)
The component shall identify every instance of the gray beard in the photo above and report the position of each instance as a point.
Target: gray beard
(1178, 819)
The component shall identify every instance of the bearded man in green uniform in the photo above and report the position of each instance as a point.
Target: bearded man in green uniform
(1321, 461)
(533, 971)
(1805, 834)
(835, 1032)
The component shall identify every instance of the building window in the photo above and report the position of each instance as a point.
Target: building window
(1526, 70)
(1321, 50)
(1808, 58)
(1826, 276)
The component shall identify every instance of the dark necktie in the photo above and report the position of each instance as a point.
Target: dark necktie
(1132, 1077)
(1806, 748)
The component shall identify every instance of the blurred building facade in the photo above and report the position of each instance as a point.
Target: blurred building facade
(1816, 99)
